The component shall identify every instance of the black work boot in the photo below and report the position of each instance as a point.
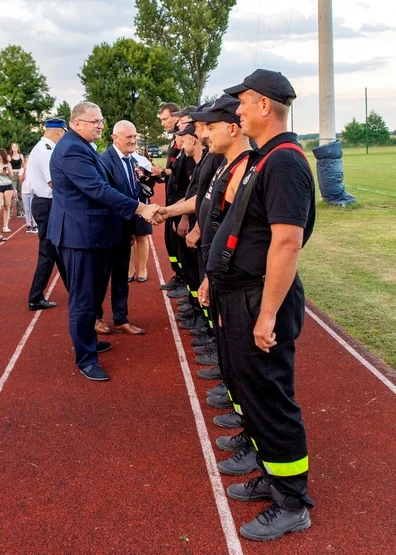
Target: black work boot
(196, 321)
(202, 339)
(207, 348)
(172, 284)
(219, 401)
(180, 291)
(210, 373)
(219, 389)
(256, 489)
(209, 358)
(242, 462)
(232, 443)
(229, 420)
(287, 514)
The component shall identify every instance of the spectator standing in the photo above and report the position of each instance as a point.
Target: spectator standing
(27, 197)
(140, 247)
(17, 163)
(6, 188)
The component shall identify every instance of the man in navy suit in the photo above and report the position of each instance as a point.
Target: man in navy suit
(118, 159)
(84, 223)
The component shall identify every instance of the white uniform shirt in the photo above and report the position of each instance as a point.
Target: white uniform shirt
(37, 171)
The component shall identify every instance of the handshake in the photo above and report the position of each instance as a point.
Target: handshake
(152, 213)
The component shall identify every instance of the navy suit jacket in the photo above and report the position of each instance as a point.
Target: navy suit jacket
(86, 210)
(115, 165)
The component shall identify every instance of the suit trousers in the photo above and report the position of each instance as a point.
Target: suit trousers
(264, 382)
(47, 255)
(84, 270)
(117, 265)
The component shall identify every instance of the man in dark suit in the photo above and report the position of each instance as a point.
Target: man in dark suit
(84, 223)
(118, 159)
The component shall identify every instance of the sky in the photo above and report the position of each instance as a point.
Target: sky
(281, 36)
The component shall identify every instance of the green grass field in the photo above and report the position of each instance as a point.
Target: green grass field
(349, 264)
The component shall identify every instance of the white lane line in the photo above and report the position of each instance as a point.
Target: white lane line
(24, 339)
(12, 235)
(352, 351)
(383, 193)
(227, 522)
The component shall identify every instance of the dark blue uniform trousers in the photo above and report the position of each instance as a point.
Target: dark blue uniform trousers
(84, 274)
(47, 256)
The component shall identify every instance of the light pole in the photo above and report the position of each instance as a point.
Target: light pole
(326, 73)
(329, 152)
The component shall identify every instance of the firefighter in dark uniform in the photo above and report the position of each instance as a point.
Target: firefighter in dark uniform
(169, 123)
(200, 180)
(252, 266)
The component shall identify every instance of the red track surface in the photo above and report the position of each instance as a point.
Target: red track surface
(117, 467)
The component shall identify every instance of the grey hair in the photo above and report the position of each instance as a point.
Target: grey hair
(118, 126)
(81, 108)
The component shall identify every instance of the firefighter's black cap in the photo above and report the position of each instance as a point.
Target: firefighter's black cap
(223, 109)
(272, 84)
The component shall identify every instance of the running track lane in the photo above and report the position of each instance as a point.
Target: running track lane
(118, 467)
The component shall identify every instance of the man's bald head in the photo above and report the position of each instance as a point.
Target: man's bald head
(124, 136)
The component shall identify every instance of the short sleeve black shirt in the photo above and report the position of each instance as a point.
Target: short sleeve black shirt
(283, 193)
(209, 167)
(182, 169)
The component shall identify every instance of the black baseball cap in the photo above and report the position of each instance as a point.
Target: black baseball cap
(185, 112)
(224, 109)
(188, 130)
(268, 83)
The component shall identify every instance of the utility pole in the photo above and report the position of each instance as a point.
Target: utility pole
(327, 132)
(329, 152)
(365, 101)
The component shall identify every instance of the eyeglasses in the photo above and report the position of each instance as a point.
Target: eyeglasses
(95, 122)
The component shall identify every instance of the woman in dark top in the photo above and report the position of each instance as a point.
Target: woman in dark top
(16, 159)
(140, 248)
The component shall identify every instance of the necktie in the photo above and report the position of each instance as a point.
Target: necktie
(130, 175)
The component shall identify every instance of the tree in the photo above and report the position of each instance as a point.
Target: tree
(378, 133)
(192, 30)
(24, 93)
(13, 130)
(130, 81)
(64, 111)
(354, 133)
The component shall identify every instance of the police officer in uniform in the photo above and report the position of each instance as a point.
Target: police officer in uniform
(38, 180)
(252, 266)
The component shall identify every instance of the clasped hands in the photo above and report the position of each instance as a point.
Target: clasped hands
(152, 213)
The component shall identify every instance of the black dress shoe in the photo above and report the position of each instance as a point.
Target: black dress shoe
(95, 373)
(103, 346)
(41, 305)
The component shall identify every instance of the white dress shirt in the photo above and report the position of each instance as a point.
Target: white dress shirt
(37, 170)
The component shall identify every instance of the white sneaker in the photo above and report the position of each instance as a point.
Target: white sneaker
(34, 229)
(6, 230)
(28, 229)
